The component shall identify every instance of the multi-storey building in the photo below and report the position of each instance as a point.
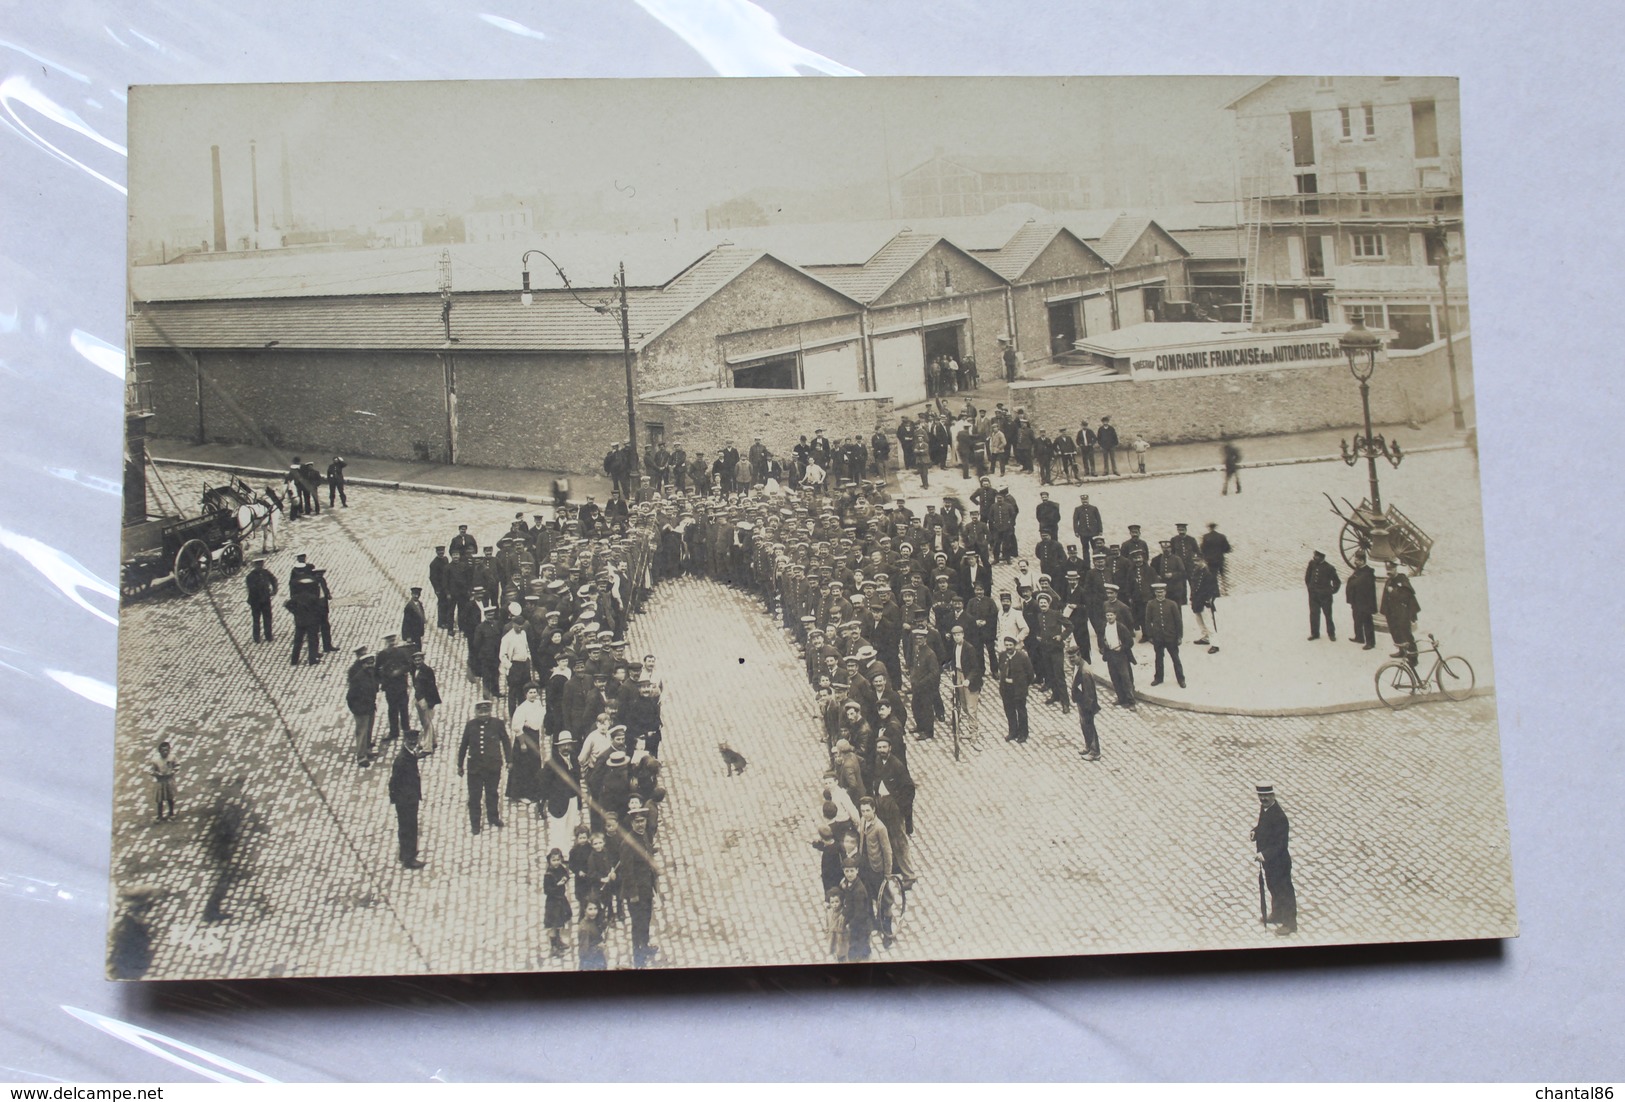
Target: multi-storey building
(1353, 199)
(953, 187)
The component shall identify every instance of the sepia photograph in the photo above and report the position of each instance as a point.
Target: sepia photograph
(576, 525)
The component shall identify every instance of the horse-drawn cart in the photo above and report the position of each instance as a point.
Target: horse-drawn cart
(189, 550)
(1384, 536)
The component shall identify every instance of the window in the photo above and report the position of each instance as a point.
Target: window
(1368, 315)
(1425, 127)
(1308, 185)
(1345, 117)
(1323, 84)
(1303, 138)
(1370, 113)
(1369, 246)
(1362, 184)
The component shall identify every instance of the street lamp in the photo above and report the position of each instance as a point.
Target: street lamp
(1439, 241)
(618, 308)
(1360, 345)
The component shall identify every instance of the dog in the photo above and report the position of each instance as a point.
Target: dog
(732, 759)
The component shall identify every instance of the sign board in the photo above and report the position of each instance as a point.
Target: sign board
(1288, 351)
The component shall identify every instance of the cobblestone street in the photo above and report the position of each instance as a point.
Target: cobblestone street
(1398, 818)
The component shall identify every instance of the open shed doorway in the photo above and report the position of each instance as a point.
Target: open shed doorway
(778, 374)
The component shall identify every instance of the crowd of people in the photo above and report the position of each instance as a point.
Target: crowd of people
(895, 614)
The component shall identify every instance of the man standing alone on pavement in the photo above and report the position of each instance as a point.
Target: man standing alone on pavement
(426, 693)
(1275, 863)
(406, 792)
(1088, 702)
(480, 757)
(1107, 439)
(1321, 580)
(1015, 680)
(262, 586)
(335, 481)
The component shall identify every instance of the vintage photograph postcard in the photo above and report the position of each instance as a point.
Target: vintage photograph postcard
(578, 525)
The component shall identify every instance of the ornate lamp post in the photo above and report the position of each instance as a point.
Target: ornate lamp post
(1360, 346)
(619, 309)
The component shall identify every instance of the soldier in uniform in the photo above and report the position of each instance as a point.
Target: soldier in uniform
(395, 679)
(481, 756)
(1270, 836)
(1086, 524)
(1361, 594)
(1164, 627)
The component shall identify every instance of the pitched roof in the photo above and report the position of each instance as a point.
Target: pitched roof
(481, 320)
(1217, 243)
(867, 282)
(1028, 244)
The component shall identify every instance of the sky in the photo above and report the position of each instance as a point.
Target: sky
(659, 147)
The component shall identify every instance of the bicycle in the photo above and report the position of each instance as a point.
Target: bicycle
(959, 693)
(1399, 685)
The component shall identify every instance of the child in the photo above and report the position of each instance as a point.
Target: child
(556, 913)
(162, 768)
(1141, 446)
(580, 856)
(590, 939)
(600, 871)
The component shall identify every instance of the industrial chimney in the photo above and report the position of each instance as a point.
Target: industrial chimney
(219, 203)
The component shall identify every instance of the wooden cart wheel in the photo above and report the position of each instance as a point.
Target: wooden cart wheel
(192, 566)
(133, 581)
(1350, 540)
(231, 557)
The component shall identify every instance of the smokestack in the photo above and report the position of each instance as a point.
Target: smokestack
(254, 178)
(219, 203)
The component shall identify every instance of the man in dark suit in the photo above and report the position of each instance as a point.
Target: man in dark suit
(1164, 627)
(1015, 680)
(1361, 595)
(924, 675)
(481, 756)
(445, 599)
(1399, 609)
(1086, 441)
(406, 793)
(1321, 580)
(1088, 702)
(262, 586)
(1107, 439)
(1270, 836)
(413, 618)
(967, 671)
(395, 679)
(463, 543)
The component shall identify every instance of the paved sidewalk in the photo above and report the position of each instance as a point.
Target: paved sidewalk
(537, 486)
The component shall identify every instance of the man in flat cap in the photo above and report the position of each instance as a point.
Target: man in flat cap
(1270, 837)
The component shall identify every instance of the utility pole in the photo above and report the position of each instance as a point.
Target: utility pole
(1441, 244)
(626, 357)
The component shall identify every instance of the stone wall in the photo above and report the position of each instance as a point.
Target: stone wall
(554, 412)
(386, 404)
(1408, 386)
(706, 420)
